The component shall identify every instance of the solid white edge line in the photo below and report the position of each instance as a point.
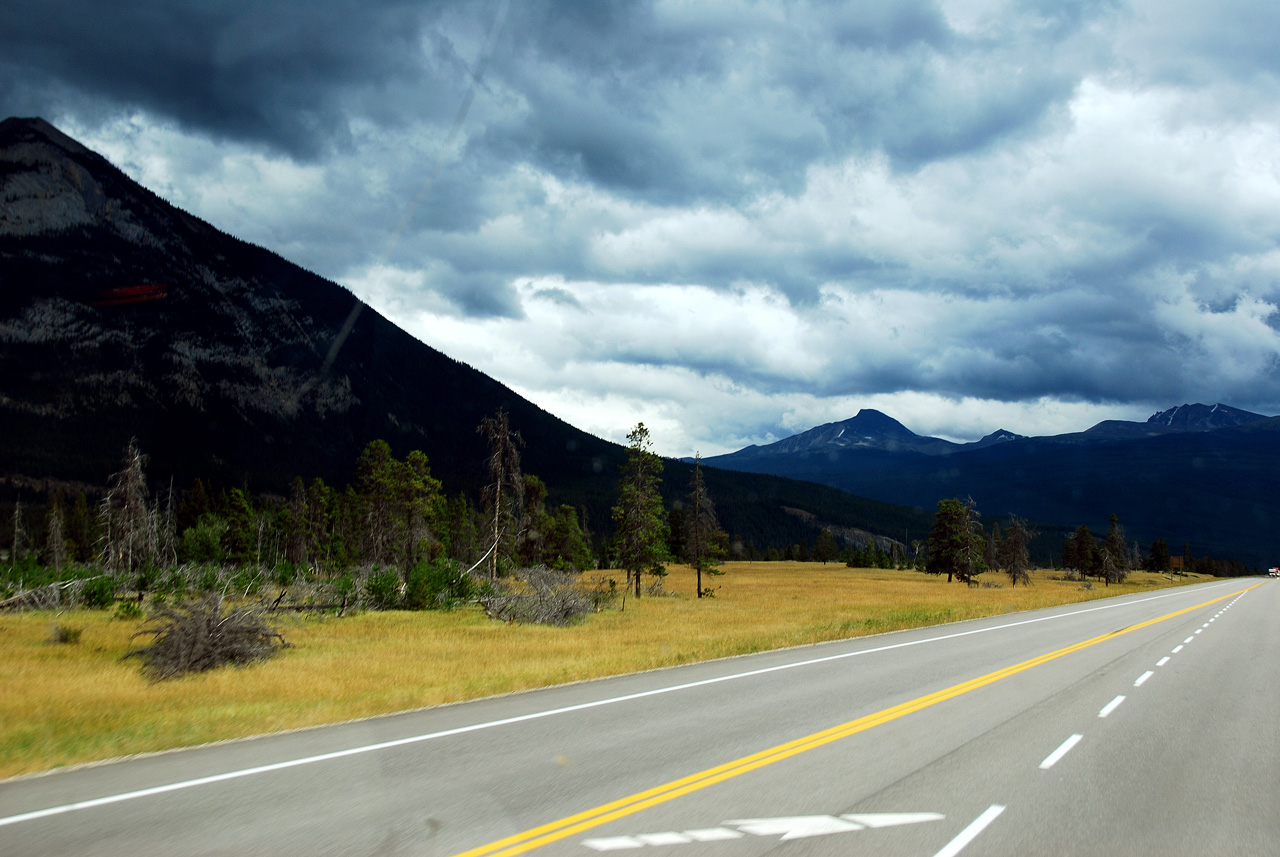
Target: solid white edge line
(1064, 749)
(1142, 678)
(979, 824)
(1111, 706)
(536, 715)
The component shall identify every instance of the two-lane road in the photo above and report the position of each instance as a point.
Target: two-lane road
(1134, 725)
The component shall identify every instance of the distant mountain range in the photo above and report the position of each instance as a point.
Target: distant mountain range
(123, 316)
(1204, 474)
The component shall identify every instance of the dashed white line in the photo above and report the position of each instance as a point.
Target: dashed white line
(1199, 630)
(979, 824)
(1142, 678)
(1163, 661)
(1111, 706)
(1187, 640)
(1177, 649)
(1052, 758)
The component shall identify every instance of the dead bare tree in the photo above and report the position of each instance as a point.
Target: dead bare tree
(201, 635)
(129, 538)
(55, 540)
(504, 495)
(541, 596)
(18, 536)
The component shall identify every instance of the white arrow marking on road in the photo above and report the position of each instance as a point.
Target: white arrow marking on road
(789, 827)
(797, 827)
(891, 819)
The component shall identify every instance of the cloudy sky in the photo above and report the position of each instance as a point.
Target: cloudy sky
(731, 220)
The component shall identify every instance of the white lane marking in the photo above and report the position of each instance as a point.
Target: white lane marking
(537, 715)
(1052, 758)
(1162, 661)
(1142, 678)
(1177, 649)
(970, 833)
(1205, 625)
(1199, 630)
(1111, 706)
(1187, 640)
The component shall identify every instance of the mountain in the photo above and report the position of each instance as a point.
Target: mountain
(869, 429)
(122, 316)
(1195, 473)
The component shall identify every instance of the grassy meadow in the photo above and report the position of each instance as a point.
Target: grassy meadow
(70, 703)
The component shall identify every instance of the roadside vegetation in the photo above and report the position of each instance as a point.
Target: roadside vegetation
(387, 594)
(77, 701)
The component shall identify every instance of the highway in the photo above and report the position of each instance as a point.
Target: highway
(1143, 724)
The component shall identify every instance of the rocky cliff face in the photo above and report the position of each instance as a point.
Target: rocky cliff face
(122, 315)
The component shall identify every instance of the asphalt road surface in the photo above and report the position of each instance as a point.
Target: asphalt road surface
(1137, 725)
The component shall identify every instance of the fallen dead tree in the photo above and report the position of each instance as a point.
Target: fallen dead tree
(204, 634)
(540, 596)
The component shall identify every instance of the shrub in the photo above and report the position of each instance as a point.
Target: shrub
(208, 581)
(201, 635)
(64, 634)
(129, 610)
(382, 590)
(203, 542)
(438, 585)
(99, 592)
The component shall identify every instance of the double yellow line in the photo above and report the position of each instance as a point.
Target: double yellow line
(583, 821)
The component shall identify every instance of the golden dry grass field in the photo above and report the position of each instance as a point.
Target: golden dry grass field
(69, 703)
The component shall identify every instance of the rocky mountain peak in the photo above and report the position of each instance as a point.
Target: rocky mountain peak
(1200, 417)
(49, 184)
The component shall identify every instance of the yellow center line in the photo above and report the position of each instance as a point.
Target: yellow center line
(573, 824)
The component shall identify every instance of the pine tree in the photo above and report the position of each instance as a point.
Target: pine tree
(640, 541)
(1015, 555)
(825, 549)
(704, 540)
(1115, 562)
(956, 543)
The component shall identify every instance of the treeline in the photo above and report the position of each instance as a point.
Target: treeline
(961, 548)
(390, 538)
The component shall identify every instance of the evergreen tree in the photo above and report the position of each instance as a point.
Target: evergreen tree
(1080, 552)
(1159, 557)
(640, 540)
(704, 540)
(825, 549)
(1014, 552)
(956, 543)
(1115, 561)
(81, 532)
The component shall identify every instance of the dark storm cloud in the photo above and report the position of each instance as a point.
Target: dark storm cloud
(784, 201)
(272, 71)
